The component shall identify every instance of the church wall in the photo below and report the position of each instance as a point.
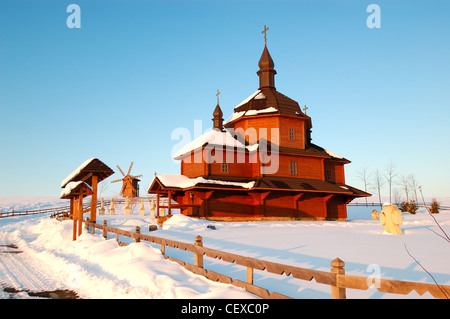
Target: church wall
(192, 169)
(311, 205)
(261, 127)
(231, 204)
(292, 133)
(279, 204)
(334, 172)
(336, 207)
(228, 204)
(310, 167)
(307, 167)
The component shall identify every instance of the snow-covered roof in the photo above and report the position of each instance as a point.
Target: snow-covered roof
(76, 172)
(89, 167)
(332, 154)
(213, 137)
(71, 186)
(182, 181)
(257, 95)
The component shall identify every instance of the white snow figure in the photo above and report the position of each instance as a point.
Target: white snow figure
(152, 208)
(391, 218)
(142, 209)
(127, 209)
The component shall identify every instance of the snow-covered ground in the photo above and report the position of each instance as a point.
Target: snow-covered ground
(98, 268)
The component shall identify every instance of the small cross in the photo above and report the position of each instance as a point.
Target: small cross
(265, 34)
(304, 109)
(218, 93)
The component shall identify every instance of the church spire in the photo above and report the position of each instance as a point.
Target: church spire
(266, 71)
(218, 115)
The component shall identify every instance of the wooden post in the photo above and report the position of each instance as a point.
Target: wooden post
(250, 275)
(169, 204)
(137, 232)
(338, 269)
(86, 224)
(157, 204)
(93, 214)
(74, 217)
(80, 214)
(105, 232)
(198, 257)
(71, 208)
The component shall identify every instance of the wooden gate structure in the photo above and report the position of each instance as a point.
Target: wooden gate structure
(83, 182)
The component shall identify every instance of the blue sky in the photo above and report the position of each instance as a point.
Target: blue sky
(117, 87)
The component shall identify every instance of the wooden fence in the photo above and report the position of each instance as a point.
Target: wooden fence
(53, 210)
(428, 205)
(336, 278)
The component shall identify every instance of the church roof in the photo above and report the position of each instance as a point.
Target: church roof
(213, 138)
(267, 100)
(182, 182)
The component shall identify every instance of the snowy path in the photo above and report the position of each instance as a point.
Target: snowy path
(20, 270)
(37, 254)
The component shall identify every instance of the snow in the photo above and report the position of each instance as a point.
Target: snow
(70, 186)
(260, 96)
(76, 172)
(257, 95)
(182, 181)
(262, 111)
(99, 268)
(213, 137)
(332, 154)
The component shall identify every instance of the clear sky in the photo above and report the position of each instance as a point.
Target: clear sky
(118, 86)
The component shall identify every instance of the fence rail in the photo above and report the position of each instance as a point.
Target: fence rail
(398, 204)
(55, 211)
(336, 278)
(33, 211)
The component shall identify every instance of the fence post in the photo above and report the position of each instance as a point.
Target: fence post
(86, 224)
(338, 269)
(137, 232)
(105, 232)
(198, 257)
(250, 275)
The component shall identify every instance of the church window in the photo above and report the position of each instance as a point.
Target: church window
(329, 175)
(224, 167)
(293, 168)
(291, 134)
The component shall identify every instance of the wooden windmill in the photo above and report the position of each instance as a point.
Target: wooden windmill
(130, 187)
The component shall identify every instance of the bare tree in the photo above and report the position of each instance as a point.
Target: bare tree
(405, 186)
(379, 182)
(414, 184)
(364, 176)
(396, 193)
(390, 177)
(103, 186)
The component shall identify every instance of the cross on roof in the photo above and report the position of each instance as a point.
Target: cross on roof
(265, 34)
(218, 93)
(304, 109)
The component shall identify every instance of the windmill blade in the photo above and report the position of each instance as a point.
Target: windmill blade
(120, 170)
(136, 176)
(117, 180)
(129, 170)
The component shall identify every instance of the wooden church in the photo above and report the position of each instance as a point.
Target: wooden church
(260, 164)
